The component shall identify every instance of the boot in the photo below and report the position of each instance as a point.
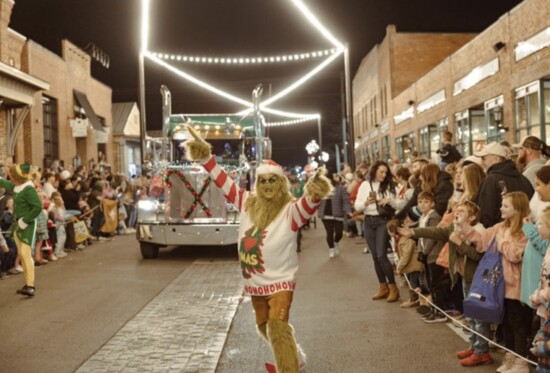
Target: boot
(520, 366)
(394, 294)
(507, 362)
(283, 346)
(382, 293)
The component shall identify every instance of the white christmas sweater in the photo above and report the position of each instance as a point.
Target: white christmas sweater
(269, 261)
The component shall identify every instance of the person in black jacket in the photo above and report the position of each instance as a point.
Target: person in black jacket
(438, 182)
(502, 177)
(448, 152)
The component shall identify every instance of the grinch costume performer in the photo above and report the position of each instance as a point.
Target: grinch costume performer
(26, 208)
(270, 220)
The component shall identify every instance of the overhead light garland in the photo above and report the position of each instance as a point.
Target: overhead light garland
(245, 60)
(160, 58)
(290, 122)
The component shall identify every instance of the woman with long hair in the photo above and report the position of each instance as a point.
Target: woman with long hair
(372, 193)
(472, 177)
(439, 183)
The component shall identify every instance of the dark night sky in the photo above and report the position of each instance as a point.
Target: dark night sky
(241, 27)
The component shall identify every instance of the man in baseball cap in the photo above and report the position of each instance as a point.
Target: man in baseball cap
(502, 177)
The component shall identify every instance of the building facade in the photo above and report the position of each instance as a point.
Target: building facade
(52, 108)
(493, 86)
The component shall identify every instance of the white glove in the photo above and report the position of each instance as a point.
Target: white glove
(22, 224)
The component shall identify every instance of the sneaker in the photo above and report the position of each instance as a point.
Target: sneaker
(427, 315)
(423, 310)
(27, 290)
(4, 275)
(465, 353)
(331, 253)
(435, 317)
(80, 246)
(61, 255)
(365, 250)
(52, 258)
(336, 249)
(101, 238)
(410, 304)
(474, 360)
(16, 270)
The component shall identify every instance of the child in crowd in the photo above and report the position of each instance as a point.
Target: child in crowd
(429, 251)
(540, 297)
(511, 242)
(6, 221)
(463, 260)
(41, 231)
(408, 259)
(59, 213)
(7, 258)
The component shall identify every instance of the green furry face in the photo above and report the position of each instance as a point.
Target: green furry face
(269, 186)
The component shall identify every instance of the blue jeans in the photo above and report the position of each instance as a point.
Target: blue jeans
(377, 237)
(478, 344)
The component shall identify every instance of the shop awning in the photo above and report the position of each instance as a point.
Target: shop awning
(85, 104)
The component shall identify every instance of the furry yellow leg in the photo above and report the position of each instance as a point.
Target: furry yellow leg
(262, 331)
(283, 346)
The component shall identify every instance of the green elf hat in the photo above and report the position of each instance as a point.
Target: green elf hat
(22, 170)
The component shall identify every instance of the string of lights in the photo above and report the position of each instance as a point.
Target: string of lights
(245, 60)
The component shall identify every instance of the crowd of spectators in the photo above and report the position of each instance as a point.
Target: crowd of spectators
(427, 226)
(74, 212)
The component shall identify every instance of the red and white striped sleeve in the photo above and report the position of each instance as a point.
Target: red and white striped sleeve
(301, 210)
(230, 189)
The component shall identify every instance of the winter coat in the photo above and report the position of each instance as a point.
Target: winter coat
(489, 198)
(408, 256)
(535, 269)
(339, 203)
(511, 248)
(469, 252)
(429, 247)
(443, 191)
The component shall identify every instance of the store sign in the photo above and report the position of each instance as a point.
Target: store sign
(79, 127)
(431, 101)
(476, 75)
(102, 137)
(532, 45)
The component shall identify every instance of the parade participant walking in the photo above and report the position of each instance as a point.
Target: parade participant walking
(370, 195)
(270, 219)
(331, 212)
(26, 208)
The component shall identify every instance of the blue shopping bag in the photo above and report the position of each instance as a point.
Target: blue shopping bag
(485, 301)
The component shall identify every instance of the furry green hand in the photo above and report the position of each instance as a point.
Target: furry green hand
(195, 147)
(318, 187)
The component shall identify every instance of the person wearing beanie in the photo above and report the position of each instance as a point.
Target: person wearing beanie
(26, 208)
(270, 220)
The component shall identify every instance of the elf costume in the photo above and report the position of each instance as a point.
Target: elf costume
(26, 208)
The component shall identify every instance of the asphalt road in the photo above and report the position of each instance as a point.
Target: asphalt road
(81, 302)
(341, 329)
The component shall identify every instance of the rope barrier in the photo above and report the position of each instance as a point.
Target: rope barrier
(456, 321)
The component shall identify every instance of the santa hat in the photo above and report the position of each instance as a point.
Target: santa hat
(270, 167)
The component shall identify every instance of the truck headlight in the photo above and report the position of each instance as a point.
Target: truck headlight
(147, 205)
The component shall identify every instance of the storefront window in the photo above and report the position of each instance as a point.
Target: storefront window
(425, 142)
(386, 149)
(375, 151)
(478, 131)
(405, 145)
(496, 129)
(463, 136)
(528, 111)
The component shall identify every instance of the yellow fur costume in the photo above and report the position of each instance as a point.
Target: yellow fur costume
(263, 208)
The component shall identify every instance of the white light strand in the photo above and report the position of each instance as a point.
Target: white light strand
(289, 122)
(245, 60)
(315, 22)
(145, 8)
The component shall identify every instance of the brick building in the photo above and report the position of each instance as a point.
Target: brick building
(492, 86)
(52, 108)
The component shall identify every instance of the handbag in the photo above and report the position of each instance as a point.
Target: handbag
(385, 211)
(485, 300)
